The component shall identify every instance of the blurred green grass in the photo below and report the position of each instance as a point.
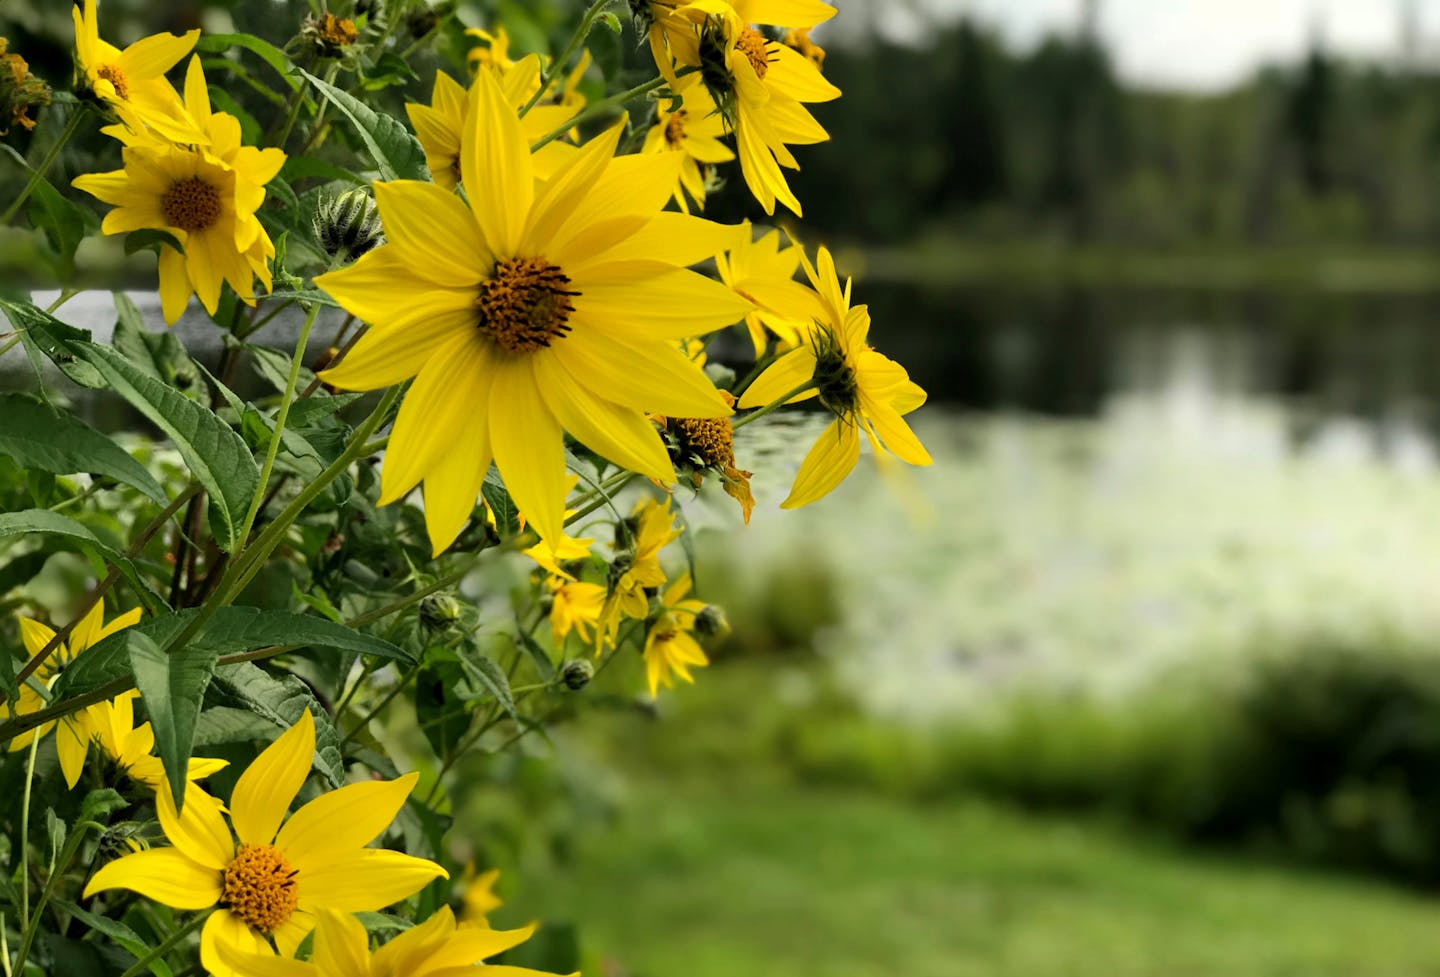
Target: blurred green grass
(724, 869)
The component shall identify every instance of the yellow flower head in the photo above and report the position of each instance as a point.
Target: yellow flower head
(670, 645)
(650, 528)
(205, 196)
(281, 873)
(760, 86)
(537, 308)
(566, 550)
(437, 947)
(859, 386)
(479, 899)
(132, 747)
(671, 35)
(708, 443)
(693, 130)
(74, 732)
(574, 606)
(132, 82)
(764, 272)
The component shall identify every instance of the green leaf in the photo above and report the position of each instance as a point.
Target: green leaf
(55, 524)
(158, 354)
(539, 655)
(220, 725)
(302, 167)
(22, 570)
(230, 631)
(269, 53)
(37, 435)
(151, 237)
(100, 802)
(115, 930)
(282, 700)
(396, 152)
(440, 707)
(318, 406)
(64, 222)
(173, 687)
(43, 333)
(215, 454)
(497, 497)
(491, 677)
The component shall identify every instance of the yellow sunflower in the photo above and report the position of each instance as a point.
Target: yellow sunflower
(693, 130)
(862, 388)
(649, 529)
(670, 645)
(764, 272)
(437, 947)
(479, 899)
(671, 35)
(282, 872)
(206, 196)
(575, 605)
(132, 747)
(538, 308)
(760, 86)
(74, 732)
(132, 82)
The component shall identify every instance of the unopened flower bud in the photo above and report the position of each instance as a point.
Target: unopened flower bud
(576, 674)
(711, 622)
(720, 375)
(438, 612)
(348, 225)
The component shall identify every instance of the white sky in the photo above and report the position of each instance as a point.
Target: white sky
(1197, 44)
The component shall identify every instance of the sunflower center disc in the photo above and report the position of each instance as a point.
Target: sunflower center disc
(675, 129)
(191, 204)
(115, 77)
(526, 305)
(753, 43)
(260, 887)
(709, 438)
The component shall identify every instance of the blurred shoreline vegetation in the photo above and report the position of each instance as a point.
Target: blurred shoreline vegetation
(976, 159)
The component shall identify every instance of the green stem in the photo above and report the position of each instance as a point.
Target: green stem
(38, 173)
(57, 870)
(598, 109)
(273, 450)
(774, 405)
(10, 344)
(64, 296)
(601, 496)
(25, 836)
(405, 679)
(557, 66)
(165, 946)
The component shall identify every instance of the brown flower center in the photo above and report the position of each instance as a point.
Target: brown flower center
(260, 887)
(525, 306)
(116, 77)
(708, 438)
(191, 204)
(753, 44)
(675, 129)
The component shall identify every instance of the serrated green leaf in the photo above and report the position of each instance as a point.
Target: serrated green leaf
(396, 152)
(115, 930)
(173, 687)
(491, 677)
(55, 524)
(502, 507)
(38, 436)
(282, 700)
(43, 334)
(100, 802)
(539, 655)
(214, 453)
(151, 237)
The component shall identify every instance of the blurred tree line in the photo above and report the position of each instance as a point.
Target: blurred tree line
(963, 135)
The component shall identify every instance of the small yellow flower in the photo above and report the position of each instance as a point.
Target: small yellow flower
(436, 948)
(764, 272)
(650, 528)
(693, 130)
(575, 606)
(74, 732)
(132, 747)
(535, 308)
(479, 899)
(761, 85)
(799, 40)
(272, 884)
(671, 35)
(862, 388)
(670, 645)
(132, 82)
(206, 196)
(568, 549)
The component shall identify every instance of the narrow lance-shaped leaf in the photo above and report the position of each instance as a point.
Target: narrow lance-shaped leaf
(173, 687)
(38, 436)
(396, 152)
(55, 524)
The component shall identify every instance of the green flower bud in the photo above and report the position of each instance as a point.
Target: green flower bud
(348, 225)
(711, 622)
(438, 612)
(576, 674)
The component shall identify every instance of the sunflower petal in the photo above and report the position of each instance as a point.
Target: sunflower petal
(341, 944)
(784, 375)
(622, 435)
(831, 458)
(225, 937)
(199, 830)
(495, 165)
(432, 232)
(163, 874)
(528, 446)
(366, 880)
(341, 820)
(264, 791)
